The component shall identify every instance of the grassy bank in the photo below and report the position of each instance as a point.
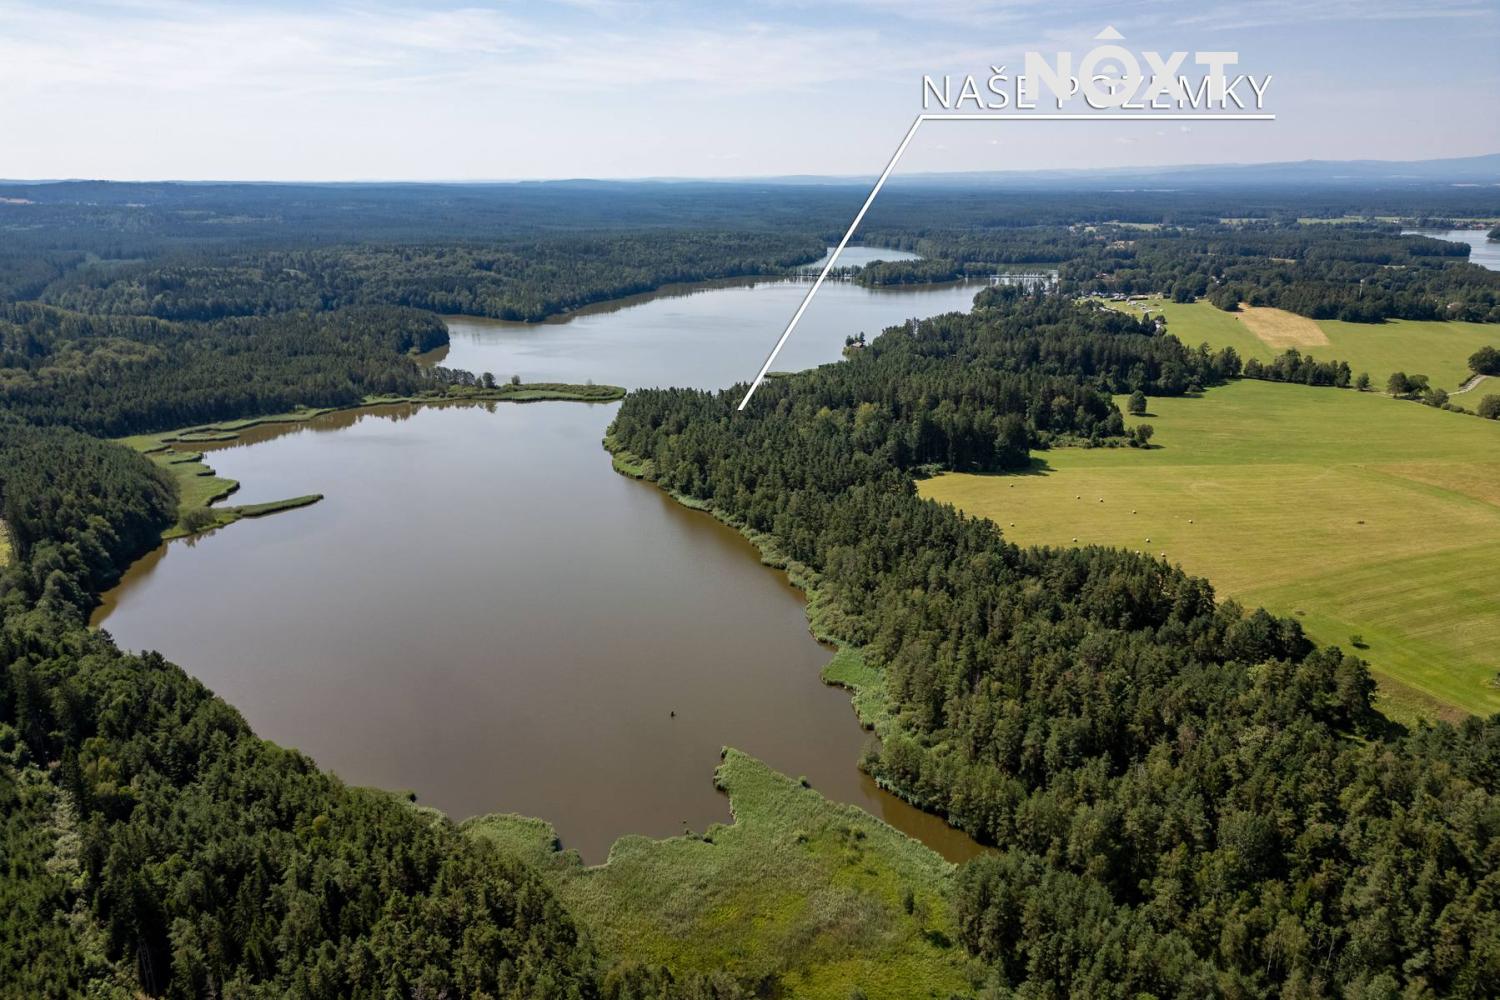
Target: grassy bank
(199, 488)
(1437, 349)
(1361, 515)
(218, 517)
(818, 895)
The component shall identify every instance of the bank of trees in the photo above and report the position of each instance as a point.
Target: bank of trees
(76, 510)
(154, 846)
(1193, 799)
(206, 330)
(1363, 273)
(515, 279)
(116, 375)
(1359, 273)
(1293, 366)
(881, 273)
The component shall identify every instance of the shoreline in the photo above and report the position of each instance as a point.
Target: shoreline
(847, 669)
(681, 289)
(200, 487)
(687, 288)
(671, 895)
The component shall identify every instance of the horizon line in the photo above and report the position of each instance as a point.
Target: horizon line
(754, 178)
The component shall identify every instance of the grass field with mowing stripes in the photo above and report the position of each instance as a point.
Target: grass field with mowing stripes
(1360, 514)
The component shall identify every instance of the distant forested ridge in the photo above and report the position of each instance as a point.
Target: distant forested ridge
(131, 308)
(1191, 799)
(113, 220)
(515, 279)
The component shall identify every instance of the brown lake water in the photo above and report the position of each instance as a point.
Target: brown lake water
(483, 612)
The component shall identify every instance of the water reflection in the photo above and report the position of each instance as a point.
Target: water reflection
(482, 611)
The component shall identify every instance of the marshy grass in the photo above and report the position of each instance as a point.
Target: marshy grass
(817, 896)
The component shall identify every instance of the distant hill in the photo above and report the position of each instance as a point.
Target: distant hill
(1468, 170)
(1477, 170)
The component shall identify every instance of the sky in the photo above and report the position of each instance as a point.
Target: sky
(470, 90)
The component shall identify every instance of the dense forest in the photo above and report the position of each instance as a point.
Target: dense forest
(47, 223)
(1192, 799)
(928, 270)
(1189, 798)
(114, 375)
(524, 252)
(1358, 273)
(518, 279)
(207, 861)
(154, 845)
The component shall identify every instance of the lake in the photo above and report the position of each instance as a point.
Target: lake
(706, 337)
(481, 611)
(1485, 252)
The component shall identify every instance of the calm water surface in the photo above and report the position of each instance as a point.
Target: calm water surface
(1485, 252)
(483, 612)
(856, 256)
(709, 337)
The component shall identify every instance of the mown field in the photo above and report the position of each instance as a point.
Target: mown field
(1362, 515)
(818, 893)
(1439, 350)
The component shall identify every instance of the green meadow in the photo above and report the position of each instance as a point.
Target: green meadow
(1439, 350)
(818, 894)
(1359, 514)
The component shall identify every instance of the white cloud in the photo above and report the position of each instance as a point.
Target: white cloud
(167, 46)
(511, 88)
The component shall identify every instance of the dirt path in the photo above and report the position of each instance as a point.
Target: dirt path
(1473, 381)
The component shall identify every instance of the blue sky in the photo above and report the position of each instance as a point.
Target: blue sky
(151, 89)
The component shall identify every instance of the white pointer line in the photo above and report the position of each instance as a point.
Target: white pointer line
(906, 140)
